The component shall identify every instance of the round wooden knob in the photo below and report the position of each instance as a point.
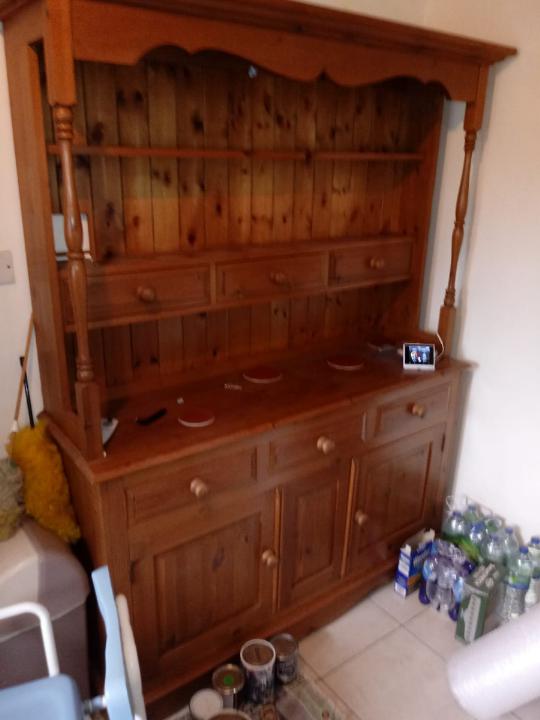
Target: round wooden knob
(325, 445)
(360, 518)
(199, 488)
(269, 558)
(417, 410)
(146, 294)
(279, 278)
(377, 263)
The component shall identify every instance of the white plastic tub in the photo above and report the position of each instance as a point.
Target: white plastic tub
(37, 566)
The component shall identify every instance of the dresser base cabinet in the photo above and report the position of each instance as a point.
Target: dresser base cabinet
(279, 531)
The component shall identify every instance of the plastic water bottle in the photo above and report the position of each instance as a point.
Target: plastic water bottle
(533, 593)
(510, 545)
(492, 549)
(455, 528)
(473, 545)
(429, 575)
(446, 577)
(517, 583)
(440, 575)
(477, 533)
(494, 524)
(472, 514)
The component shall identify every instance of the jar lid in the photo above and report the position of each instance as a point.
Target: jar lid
(205, 704)
(285, 645)
(257, 652)
(228, 679)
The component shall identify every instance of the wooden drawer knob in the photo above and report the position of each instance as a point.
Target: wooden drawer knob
(269, 558)
(279, 278)
(377, 263)
(360, 518)
(199, 488)
(417, 410)
(325, 445)
(146, 294)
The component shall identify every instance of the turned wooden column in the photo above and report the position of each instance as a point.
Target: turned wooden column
(86, 390)
(447, 316)
(63, 123)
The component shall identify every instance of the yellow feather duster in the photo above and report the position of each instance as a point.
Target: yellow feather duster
(46, 491)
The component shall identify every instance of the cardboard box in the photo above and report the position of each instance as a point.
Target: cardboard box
(411, 558)
(477, 614)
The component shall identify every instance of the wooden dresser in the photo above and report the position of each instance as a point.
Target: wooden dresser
(255, 184)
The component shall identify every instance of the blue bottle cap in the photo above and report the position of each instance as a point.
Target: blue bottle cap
(524, 549)
(535, 540)
(509, 530)
(457, 513)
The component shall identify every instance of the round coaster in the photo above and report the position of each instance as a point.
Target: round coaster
(263, 375)
(195, 417)
(349, 363)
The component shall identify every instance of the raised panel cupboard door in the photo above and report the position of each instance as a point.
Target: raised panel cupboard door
(206, 590)
(394, 495)
(313, 532)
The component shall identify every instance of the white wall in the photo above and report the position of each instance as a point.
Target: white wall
(498, 460)
(14, 299)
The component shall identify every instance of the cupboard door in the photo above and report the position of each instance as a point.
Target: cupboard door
(209, 587)
(394, 496)
(313, 532)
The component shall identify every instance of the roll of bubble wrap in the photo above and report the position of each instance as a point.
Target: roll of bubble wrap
(500, 671)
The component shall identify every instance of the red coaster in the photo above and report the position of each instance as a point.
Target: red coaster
(349, 363)
(263, 375)
(195, 417)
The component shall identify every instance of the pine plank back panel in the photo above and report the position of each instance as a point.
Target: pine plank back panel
(209, 102)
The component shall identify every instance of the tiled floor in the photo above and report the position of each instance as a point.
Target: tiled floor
(386, 658)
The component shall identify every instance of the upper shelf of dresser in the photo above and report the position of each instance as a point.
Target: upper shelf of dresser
(292, 39)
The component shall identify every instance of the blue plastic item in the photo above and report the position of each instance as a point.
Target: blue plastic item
(57, 697)
(51, 698)
(116, 694)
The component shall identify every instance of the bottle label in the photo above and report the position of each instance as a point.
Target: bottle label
(518, 583)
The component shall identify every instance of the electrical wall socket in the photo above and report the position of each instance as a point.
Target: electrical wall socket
(7, 273)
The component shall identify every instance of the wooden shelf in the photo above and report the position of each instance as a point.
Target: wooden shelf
(307, 387)
(219, 154)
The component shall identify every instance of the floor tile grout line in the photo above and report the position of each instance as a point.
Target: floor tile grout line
(360, 652)
(422, 642)
(341, 699)
(320, 678)
(387, 612)
(401, 622)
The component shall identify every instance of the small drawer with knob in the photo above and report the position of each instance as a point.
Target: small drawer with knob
(408, 413)
(248, 279)
(371, 262)
(189, 483)
(316, 442)
(115, 294)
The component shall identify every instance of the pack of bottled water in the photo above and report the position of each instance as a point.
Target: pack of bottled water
(443, 576)
(471, 536)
